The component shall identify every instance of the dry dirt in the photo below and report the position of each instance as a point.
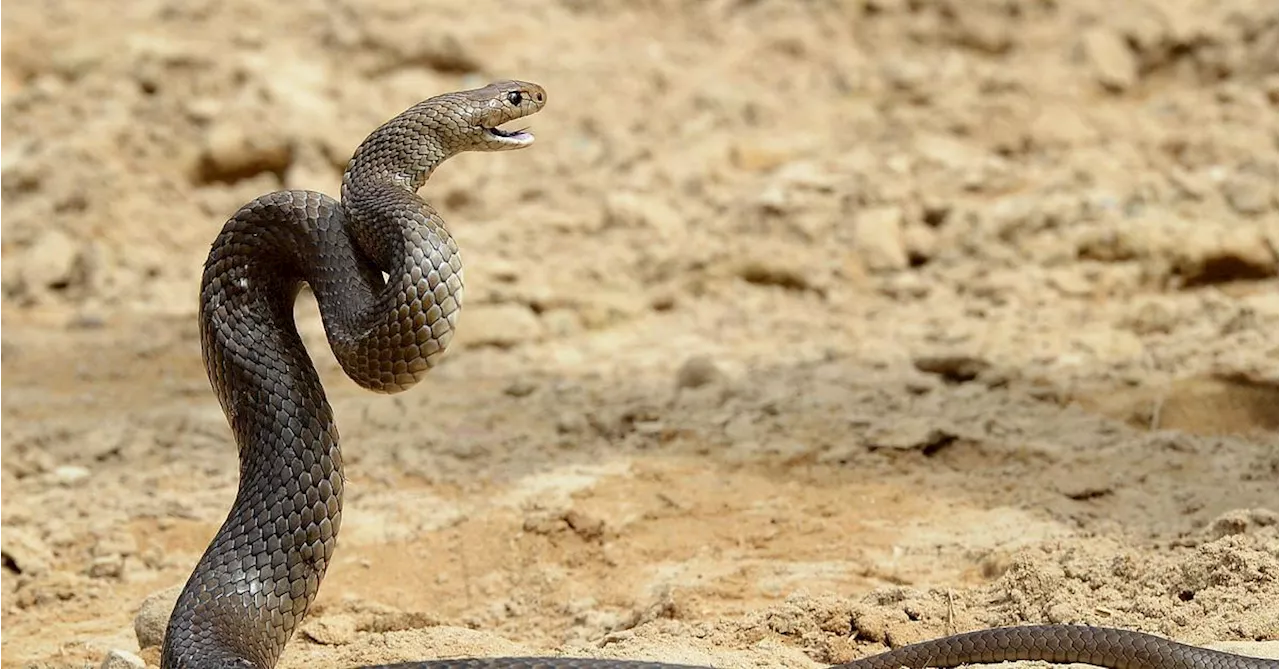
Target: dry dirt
(803, 329)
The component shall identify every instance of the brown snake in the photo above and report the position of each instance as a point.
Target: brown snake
(263, 568)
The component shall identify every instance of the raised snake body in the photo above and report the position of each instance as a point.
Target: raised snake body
(254, 583)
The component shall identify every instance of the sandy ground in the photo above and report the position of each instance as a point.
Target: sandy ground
(805, 328)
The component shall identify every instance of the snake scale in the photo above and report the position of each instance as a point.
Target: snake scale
(388, 280)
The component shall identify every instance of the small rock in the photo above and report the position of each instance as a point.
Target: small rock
(1188, 184)
(122, 659)
(775, 271)
(561, 322)
(662, 301)
(879, 240)
(69, 475)
(1150, 318)
(116, 543)
(544, 523)
(330, 630)
(759, 157)
(606, 308)
(107, 566)
(1070, 281)
(54, 261)
(1240, 521)
(1207, 257)
(153, 616)
(910, 435)
(948, 151)
(698, 371)
(419, 41)
(1061, 125)
(498, 325)
(571, 423)
(202, 109)
(87, 318)
(1113, 63)
(952, 368)
(232, 152)
(520, 389)
(871, 624)
(904, 286)
(774, 199)
(587, 527)
(1081, 487)
(807, 175)
(627, 209)
(920, 243)
(1249, 193)
(23, 552)
(909, 78)
(982, 32)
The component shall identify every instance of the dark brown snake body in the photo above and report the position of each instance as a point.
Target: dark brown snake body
(254, 583)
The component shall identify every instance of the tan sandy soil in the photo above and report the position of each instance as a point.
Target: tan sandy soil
(805, 328)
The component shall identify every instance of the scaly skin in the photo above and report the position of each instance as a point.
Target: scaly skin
(263, 568)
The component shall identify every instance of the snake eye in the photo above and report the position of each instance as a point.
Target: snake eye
(515, 98)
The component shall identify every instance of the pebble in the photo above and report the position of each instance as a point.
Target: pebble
(232, 152)
(782, 272)
(569, 422)
(920, 243)
(1113, 63)
(561, 322)
(107, 566)
(1151, 318)
(910, 434)
(520, 388)
(122, 659)
(760, 157)
(1248, 193)
(627, 209)
(68, 475)
(698, 371)
(1206, 257)
(1061, 125)
(958, 368)
(153, 616)
(421, 42)
(1239, 521)
(609, 307)
(330, 630)
(878, 239)
(978, 31)
(24, 551)
(904, 286)
(54, 261)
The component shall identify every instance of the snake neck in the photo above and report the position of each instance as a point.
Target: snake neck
(381, 159)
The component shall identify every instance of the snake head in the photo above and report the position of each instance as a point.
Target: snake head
(409, 147)
(498, 103)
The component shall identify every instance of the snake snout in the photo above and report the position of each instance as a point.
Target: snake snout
(502, 102)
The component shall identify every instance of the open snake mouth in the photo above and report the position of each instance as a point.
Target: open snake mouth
(519, 137)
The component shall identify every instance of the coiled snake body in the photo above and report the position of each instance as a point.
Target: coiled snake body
(263, 568)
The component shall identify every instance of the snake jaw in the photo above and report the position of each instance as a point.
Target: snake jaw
(516, 139)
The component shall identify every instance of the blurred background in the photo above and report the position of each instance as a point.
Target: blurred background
(803, 328)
